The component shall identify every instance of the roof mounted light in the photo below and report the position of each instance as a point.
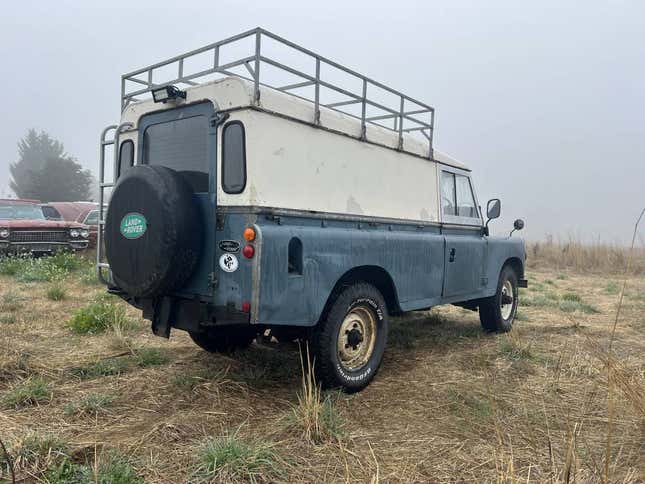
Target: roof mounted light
(167, 93)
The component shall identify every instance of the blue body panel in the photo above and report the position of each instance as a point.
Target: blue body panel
(416, 258)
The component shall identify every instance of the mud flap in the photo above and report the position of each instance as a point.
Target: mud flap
(161, 317)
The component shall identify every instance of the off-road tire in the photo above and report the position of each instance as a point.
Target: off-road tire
(225, 339)
(490, 309)
(324, 341)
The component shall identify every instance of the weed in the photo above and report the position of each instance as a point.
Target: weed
(88, 275)
(11, 301)
(540, 301)
(99, 315)
(561, 277)
(111, 468)
(56, 292)
(107, 367)
(571, 296)
(314, 415)
(573, 306)
(612, 288)
(549, 282)
(89, 405)
(150, 357)
(230, 458)
(37, 452)
(8, 318)
(31, 391)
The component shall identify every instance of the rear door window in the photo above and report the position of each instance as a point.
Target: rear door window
(182, 145)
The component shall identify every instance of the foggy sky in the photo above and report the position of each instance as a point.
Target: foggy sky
(545, 101)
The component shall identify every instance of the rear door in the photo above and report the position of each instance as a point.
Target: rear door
(184, 139)
(465, 247)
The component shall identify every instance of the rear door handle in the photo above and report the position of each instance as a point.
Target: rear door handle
(453, 251)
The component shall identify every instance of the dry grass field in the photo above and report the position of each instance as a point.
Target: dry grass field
(88, 394)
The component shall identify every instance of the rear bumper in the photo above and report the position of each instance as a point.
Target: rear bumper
(7, 247)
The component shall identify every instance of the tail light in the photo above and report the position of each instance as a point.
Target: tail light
(248, 251)
(249, 234)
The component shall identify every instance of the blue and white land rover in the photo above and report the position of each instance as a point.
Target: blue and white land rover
(249, 196)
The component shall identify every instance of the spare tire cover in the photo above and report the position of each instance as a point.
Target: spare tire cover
(153, 232)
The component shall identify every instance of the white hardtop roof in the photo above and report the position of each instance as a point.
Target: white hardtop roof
(233, 93)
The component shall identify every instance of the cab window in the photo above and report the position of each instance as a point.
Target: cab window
(448, 195)
(465, 200)
(457, 199)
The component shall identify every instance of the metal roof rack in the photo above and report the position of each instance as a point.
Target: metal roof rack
(356, 95)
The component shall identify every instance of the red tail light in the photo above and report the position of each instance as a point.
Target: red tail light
(246, 307)
(248, 251)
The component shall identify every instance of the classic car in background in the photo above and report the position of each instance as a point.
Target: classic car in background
(24, 229)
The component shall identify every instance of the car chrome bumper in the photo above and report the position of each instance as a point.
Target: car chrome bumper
(24, 247)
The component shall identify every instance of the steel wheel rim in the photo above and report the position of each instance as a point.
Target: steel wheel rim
(359, 324)
(506, 308)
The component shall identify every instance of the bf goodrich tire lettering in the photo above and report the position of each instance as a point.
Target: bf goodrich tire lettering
(331, 371)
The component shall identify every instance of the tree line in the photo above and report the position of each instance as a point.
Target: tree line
(44, 171)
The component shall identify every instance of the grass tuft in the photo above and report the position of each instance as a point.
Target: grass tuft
(315, 415)
(110, 468)
(571, 296)
(8, 318)
(578, 306)
(35, 452)
(99, 315)
(230, 458)
(56, 292)
(32, 391)
(107, 367)
(91, 404)
(11, 301)
(150, 357)
(612, 288)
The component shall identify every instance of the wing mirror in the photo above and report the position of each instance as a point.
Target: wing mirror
(517, 225)
(493, 209)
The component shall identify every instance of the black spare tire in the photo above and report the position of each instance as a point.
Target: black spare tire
(153, 233)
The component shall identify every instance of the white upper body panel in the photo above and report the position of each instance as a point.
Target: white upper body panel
(292, 164)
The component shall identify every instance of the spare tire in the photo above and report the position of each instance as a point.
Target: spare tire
(153, 233)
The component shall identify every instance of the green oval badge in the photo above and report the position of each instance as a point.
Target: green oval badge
(133, 225)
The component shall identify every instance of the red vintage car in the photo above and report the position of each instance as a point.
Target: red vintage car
(24, 229)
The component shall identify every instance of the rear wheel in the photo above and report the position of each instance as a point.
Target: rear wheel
(224, 339)
(497, 312)
(348, 345)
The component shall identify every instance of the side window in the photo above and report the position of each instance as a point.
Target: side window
(465, 200)
(448, 193)
(233, 158)
(126, 157)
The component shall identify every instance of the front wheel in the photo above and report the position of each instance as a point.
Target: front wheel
(224, 339)
(497, 312)
(348, 344)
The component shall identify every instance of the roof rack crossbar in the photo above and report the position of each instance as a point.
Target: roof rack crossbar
(253, 62)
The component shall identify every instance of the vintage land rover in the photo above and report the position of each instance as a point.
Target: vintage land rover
(297, 199)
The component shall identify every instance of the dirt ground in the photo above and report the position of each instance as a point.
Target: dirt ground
(450, 403)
